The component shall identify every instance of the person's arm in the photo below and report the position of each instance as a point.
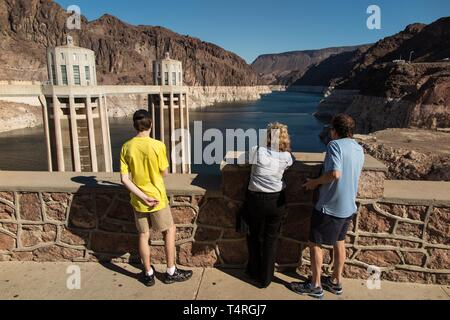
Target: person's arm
(137, 192)
(328, 177)
(126, 181)
(333, 168)
(163, 163)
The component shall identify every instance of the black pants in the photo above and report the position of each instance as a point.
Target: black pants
(265, 214)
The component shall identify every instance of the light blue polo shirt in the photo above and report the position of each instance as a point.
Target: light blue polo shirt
(338, 198)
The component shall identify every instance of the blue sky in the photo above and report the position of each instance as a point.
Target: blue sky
(253, 27)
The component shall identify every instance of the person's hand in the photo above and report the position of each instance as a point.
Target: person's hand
(150, 202)
(311, 184)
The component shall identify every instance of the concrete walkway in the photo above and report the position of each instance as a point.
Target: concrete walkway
(26, 280)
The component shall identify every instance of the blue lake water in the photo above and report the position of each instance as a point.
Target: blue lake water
(24, 150)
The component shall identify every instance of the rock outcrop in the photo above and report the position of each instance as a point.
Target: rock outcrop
(411, 154)
(395, 96)
(124, 52)
(18, 116)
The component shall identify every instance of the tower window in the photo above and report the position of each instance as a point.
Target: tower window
(174, 78)
(62, 55)
(87, 70)
(166, 78)
(54, 75)
(76, 75)
(74, 57)
(64, 75)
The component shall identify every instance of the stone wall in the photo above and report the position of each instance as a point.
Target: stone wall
(407, 239)
(62, 217)
(98, 225)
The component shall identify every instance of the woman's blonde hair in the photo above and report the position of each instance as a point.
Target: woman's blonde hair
(278, 137)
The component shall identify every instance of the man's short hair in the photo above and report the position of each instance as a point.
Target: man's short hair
(344, 125)
(142, 121)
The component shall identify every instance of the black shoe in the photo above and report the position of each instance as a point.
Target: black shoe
(147, 280)
(178, 276)
(306, 288)
(328, 285)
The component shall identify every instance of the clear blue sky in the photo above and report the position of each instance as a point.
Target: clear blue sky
(253, 27)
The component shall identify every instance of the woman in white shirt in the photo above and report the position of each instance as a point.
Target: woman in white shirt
(266, 203)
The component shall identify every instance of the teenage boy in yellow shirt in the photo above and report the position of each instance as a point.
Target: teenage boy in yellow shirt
(143, 166)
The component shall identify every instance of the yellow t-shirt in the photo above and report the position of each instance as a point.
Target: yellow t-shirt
(144, 159)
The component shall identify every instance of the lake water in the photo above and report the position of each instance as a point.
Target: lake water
(24, 150)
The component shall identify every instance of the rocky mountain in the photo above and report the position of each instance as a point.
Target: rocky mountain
(397, 94)
(332, 69)
(421, 43)
(124, 52)
(285, 68)
(411, 154)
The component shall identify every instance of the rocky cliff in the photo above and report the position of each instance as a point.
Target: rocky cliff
(389, 94)
(331, 70)
(286, 68)
(18, 116)
(199, 96)
(421, 43)
(208, 96)
(411, 154)
(124, 52)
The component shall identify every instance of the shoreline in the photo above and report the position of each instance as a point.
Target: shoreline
(21, 113)
(199, 97)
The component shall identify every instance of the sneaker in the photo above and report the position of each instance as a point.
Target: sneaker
(178, 276)
(328, 285)
(147, 280)
(306, 288)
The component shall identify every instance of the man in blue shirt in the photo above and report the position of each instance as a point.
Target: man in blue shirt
(336, 207)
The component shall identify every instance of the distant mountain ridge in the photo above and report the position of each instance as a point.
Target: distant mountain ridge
(285, 68)
(124, 52)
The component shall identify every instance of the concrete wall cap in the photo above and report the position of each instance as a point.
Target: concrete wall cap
(231, 158)
(191, 184)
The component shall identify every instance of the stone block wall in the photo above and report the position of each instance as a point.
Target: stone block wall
(409, 240)
(98, 225)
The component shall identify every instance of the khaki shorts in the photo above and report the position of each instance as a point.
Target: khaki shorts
(159, 220)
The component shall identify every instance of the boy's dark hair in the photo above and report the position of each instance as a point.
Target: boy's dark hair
(344, 125)
(142, 121)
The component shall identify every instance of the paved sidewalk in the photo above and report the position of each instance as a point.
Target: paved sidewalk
(26, 280)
